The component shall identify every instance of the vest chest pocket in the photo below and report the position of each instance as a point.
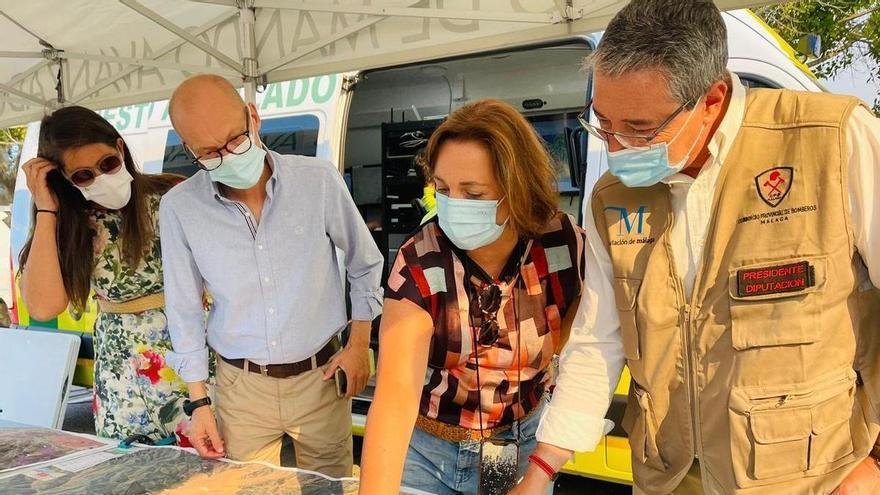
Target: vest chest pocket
(625, 292)
(780, 433)
(776, 304)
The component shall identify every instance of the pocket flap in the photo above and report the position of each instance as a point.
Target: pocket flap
(625, 292)
(781, 425)
(832, 412)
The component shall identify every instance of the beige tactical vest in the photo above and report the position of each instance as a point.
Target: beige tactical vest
(770, 373)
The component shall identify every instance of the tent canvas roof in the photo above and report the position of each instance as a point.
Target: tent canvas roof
(104, 53)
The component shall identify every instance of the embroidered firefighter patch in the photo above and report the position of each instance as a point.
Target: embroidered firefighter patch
(776, 279)
(774, 185)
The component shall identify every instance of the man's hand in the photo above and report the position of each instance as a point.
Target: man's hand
(354, 360)
(204, 435)
(864, 480)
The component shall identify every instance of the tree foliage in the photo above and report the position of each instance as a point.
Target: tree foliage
(849, 29)
(11, 140)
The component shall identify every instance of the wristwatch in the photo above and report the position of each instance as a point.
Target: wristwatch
(190, 406)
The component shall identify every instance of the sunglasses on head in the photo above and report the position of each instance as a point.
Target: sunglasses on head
(489, 302)
(85, 176)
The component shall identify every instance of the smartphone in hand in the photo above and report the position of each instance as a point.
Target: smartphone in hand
(341, 382)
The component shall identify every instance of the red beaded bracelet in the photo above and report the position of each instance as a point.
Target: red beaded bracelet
(541, 463)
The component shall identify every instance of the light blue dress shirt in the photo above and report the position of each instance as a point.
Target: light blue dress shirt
(276, 285)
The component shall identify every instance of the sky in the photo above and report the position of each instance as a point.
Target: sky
(853, 81)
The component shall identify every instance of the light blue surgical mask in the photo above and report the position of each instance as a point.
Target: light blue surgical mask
(644, 168)
(469, 223)
(241, 170)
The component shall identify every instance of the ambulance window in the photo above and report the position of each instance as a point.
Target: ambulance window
(552, 129)
(296, 135)
(755, 82)
(177, 160)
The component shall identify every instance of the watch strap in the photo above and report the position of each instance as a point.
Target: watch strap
(189, 406)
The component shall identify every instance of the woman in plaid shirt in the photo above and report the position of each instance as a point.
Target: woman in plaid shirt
(481, 298)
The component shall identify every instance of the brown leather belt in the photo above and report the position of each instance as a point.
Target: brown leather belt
(458, 434)
(291, 369)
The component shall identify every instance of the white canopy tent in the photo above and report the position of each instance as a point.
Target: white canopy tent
(105, 53)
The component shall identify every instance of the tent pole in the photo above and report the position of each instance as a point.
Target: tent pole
(250, 65)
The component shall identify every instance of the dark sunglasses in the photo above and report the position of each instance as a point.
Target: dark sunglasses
(84, 177)
(489, 302)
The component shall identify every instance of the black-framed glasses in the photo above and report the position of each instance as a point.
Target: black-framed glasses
(238, 145)
(629, 141)
(86, 176)
(488, 301)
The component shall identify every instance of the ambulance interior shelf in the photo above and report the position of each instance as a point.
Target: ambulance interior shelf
(365, 184)
(403, 181)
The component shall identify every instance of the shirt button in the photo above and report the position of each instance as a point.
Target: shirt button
(266, 279)
(271, 311)
(259, 246)
(274, 343)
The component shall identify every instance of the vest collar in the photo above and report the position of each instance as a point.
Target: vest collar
(722, 140)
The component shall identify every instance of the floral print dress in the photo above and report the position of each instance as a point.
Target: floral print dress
(135, 391)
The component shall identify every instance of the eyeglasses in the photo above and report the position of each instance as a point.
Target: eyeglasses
(488, 301)
(238, 145)
(86, 176)
(629, 141)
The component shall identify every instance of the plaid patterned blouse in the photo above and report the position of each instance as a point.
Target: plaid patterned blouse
(429, 271)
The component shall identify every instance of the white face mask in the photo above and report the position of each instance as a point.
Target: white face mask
(112, 191)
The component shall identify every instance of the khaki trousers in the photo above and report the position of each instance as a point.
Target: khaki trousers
(692, 484)
(255, 412)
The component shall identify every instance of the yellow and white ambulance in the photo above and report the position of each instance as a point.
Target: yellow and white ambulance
(372, 123)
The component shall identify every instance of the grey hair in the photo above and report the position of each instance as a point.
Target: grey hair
(686, 40)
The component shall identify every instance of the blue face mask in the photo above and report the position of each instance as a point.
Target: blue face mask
(469, 223)
(644, 168)
(241, 171)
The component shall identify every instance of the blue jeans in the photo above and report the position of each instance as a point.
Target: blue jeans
(442, 467)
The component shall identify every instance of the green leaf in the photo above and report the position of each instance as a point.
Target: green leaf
(849, 30)
(168, 412)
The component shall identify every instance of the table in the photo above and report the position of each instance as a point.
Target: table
(69, 463)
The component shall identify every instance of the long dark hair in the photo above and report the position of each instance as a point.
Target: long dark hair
(70, 128)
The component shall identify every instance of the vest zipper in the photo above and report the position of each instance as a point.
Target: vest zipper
(695, 395)
(693, 399)
(686, 332)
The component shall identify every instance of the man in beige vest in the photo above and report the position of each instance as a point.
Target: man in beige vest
(737, 236)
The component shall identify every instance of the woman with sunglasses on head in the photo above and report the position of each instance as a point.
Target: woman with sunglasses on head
(481, 299)
(96, 229)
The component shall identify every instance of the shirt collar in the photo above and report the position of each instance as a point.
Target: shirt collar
(722, 141)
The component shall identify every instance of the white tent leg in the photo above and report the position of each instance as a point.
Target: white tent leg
(21, 95)
(250, 67)
(145, 62)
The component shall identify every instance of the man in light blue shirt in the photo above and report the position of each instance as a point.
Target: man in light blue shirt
(260, 231)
